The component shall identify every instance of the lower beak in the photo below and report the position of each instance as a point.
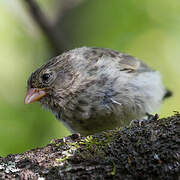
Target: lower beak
(34, 94)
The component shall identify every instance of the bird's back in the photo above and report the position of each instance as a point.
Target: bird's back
(112, 89)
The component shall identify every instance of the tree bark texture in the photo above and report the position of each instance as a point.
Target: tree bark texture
(147, 150)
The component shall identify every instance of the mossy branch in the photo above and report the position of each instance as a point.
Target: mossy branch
(147, 151)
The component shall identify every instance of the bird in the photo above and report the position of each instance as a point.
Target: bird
(93, 89)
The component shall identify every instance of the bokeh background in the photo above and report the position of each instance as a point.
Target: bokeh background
(149, 30)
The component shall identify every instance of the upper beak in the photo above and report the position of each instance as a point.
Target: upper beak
(34, 94)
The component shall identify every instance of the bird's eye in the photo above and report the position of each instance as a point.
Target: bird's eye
(45, 77)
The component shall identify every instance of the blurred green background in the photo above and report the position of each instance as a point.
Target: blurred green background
(149, 30)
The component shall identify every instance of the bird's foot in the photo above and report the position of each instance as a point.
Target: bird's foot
(72, 137)
(76, 136)
(149, 119)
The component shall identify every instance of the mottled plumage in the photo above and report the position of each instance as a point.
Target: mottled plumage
(93, 89)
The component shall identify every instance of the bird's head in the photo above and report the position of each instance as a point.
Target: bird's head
(50, 81)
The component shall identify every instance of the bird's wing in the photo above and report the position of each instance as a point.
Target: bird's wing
(132, 64)
(129, 63)
(126, 62)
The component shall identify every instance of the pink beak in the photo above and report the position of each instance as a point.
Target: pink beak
(34, 94)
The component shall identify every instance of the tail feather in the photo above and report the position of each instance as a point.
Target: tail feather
(168, 94)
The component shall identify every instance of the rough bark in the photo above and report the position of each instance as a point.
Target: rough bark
(150, 150)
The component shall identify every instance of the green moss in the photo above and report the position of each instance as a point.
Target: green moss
(73, 144)
(114, 169)
(88, 148)
(93, 143)
(62, 159)
(59, 144)
(138, 142)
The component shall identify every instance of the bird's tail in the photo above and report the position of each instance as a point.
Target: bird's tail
(168, 94)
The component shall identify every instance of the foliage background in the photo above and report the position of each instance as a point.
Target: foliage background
(149, 30)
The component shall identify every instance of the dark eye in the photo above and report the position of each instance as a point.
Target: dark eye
(45, 77)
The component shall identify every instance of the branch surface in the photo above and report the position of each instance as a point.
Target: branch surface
(147, 151)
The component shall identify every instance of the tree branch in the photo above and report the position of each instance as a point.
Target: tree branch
(64, 7)
(54, 36)
(147, 151)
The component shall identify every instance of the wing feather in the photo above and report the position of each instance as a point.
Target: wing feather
(126, 62)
